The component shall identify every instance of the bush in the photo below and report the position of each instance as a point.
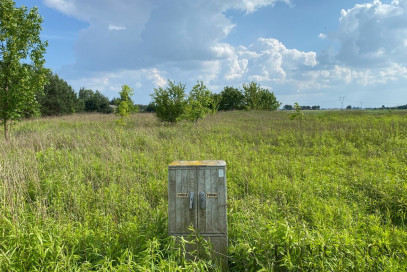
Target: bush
(257, 98)
(231, 99)
(199, 102)
(93, 101)
(125, 105)
(170, 103)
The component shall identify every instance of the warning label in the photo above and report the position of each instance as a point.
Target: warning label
(211, 195)
(182, 194)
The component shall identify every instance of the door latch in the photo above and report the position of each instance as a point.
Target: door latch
(202, 200)
(191, 200)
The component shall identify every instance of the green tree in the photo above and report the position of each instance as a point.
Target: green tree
(288, 107)
(170, 103)
(231, 99)
(150, 107)
(267, 100)
(91, 101)
(126, 105)
(298, 114)
(214, 106)
(115, 101)
(199, 102)
(251, 96)
(58, 97)
(257, 98)
(20, 43)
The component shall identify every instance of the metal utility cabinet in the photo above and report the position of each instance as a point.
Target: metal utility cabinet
(197, 198)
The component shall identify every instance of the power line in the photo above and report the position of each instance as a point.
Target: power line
(342, 99)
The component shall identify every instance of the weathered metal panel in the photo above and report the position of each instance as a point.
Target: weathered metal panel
(206, 211)
(181, 184)
(212, 219)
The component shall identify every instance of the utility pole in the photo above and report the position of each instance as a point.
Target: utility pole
(341, 99)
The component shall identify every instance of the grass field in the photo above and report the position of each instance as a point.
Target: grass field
(81, 193)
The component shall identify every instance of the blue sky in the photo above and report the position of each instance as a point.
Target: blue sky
(306, 51)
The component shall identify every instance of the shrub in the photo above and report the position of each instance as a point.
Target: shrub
(125, 106)
(257, 98)
(199, 102)
(170, 103)
(231, 99)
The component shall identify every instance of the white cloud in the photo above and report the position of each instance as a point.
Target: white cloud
(394, 72)
(373, 34)
(178, 40)
(144, 42)
(266, 60)
(143, 81)
(252, 5)
(115, 27)
(155, 31)
(64, 6)
(154, 75)
(322, 36)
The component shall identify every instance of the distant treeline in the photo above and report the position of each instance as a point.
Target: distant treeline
(59, 98)
(291, 107)
(403, 107)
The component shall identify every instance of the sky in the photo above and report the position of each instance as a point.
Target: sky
(315, 52)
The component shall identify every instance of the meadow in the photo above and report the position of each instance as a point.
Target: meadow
(328, 193)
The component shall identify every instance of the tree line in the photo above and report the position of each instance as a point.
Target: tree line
(58, 98)
(291, 107)
(171, 103)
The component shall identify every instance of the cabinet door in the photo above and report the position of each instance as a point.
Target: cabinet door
(182, 200)
(211, 200)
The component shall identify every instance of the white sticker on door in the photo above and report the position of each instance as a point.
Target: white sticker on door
(221, 173)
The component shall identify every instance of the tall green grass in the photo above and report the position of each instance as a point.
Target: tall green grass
(329, 193)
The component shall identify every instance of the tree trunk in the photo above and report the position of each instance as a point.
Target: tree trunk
(6, 131)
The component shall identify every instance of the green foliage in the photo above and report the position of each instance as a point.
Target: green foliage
(267, 100)
(298, 113)
(19, 81)
(76, 195)
(58, 97)
(125, 105)
(231, 99)
(199, 104)
(257, 98)
(90, 101)
(215, 101)
(288, 107)
(150, 107)
(251, 94)
(170, 103)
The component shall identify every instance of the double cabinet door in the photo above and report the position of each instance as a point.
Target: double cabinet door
(197, 198)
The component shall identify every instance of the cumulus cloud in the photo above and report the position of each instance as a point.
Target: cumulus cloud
(266, 60)
(373, 34)
(144, 42)
(133, 34)
(372, 48)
